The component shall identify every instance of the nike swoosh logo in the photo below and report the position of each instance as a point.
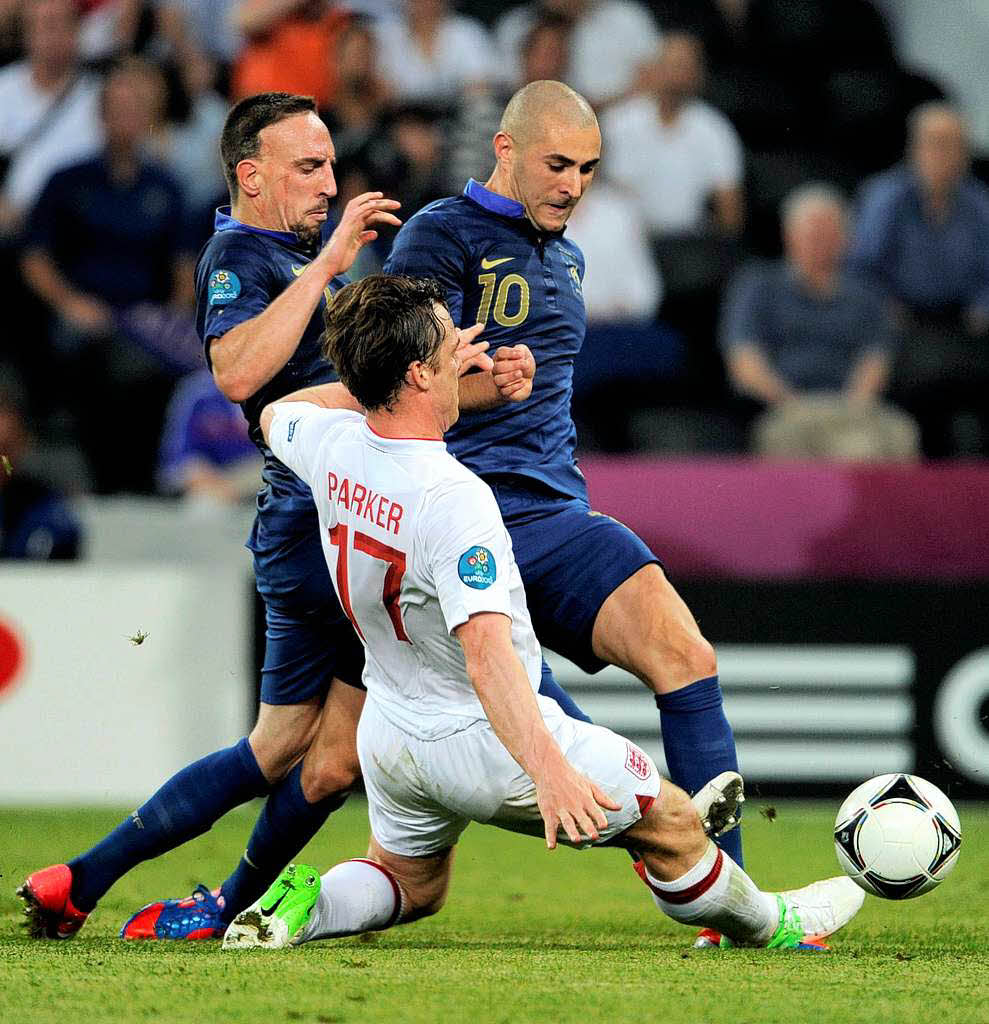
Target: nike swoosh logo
(488, 264)
(274, 906)
(297, 270)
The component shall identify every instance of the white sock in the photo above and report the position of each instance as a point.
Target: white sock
(716, 893)
(355, 896)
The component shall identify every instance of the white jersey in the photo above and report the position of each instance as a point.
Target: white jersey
(415, 545)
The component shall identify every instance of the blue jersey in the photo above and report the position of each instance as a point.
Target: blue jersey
(241, 270)
(524, 286)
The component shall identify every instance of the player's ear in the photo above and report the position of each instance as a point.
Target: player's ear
(248, 177)
(504, 147)
(420, 376)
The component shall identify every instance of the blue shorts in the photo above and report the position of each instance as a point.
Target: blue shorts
(308, 638)
(571, 559)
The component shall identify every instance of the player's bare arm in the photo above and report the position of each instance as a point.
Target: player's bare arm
(513, 370)
(250, 354)
(566, 798)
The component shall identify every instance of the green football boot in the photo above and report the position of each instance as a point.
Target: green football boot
(276, 919)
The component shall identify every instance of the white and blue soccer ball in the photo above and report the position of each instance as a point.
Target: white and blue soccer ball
(897, 836)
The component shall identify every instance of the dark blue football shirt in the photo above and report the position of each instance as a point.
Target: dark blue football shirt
(241, 270)
(523, 284)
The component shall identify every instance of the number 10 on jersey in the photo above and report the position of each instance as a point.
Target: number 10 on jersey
(392, 587)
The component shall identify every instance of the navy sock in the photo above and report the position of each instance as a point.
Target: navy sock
(549, 687)
(699, 744)
(286, 823)
(185, 807)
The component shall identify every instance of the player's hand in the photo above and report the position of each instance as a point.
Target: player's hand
(570, 801)
(356, 229)
(513, 372)
(470, 352)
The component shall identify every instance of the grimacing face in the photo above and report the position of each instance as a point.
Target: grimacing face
(295, 175)
(552, 171)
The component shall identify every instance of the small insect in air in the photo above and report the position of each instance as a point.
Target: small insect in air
(7, 467)
(769, 813)
(138, 638)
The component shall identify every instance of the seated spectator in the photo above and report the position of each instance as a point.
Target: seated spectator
(105, 237)
(611, 38)
(290, 47)
(49, 108)
(627, 356)
(35, 520)
(207, 28)
(430, 54)
(206, 455)
(923, 237)
(674, 152)
(813, 344)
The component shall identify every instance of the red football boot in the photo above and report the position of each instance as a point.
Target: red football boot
(47, 906)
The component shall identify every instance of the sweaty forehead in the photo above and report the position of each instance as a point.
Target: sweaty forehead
(299, 137)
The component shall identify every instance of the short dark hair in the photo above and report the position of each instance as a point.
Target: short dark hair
(241, 135)
(376, 328)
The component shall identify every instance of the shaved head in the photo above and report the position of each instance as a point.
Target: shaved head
(541, 106)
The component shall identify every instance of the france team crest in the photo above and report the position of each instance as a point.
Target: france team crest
(477, 568)
(224, 287)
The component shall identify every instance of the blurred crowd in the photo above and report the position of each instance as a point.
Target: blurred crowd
(787, 239)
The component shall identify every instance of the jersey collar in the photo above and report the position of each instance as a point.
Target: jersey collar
(404, 444)
(492, 201)
(225, 222)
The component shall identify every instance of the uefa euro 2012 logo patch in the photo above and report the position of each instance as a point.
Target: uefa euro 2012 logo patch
(224, 287)
(477, 568)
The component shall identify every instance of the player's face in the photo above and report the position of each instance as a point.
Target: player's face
(446, 372)
(553, 171)
(295, 173)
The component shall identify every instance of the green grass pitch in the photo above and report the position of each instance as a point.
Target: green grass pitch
(527, 935)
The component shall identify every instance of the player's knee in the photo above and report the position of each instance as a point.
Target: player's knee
(687, 658)
(423, 903)
(276, 754)
(331, 774)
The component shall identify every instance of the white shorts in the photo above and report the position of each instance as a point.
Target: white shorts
(422, 794)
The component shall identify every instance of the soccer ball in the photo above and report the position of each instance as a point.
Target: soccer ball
(897, 836)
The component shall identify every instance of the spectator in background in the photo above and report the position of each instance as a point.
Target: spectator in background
(627, 356)
(682, 161)
(674, 152)
(35, 519)
(812, 344)
(206, 455)
(923, 236)
(363, 96)
(611, 38)
(207, 28)
(49, 108)
(430, 54)
(290, 47)
(105, 235)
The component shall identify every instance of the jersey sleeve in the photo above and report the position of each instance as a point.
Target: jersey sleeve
(298, 430)
(425, 247)
(233, 284)
(467, 551)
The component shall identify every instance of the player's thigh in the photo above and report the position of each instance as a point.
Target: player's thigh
(308, 639)
(571, 560)
(331, 764)
(424, 881)
(646, 627)
(617, 766)
(400, 774)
